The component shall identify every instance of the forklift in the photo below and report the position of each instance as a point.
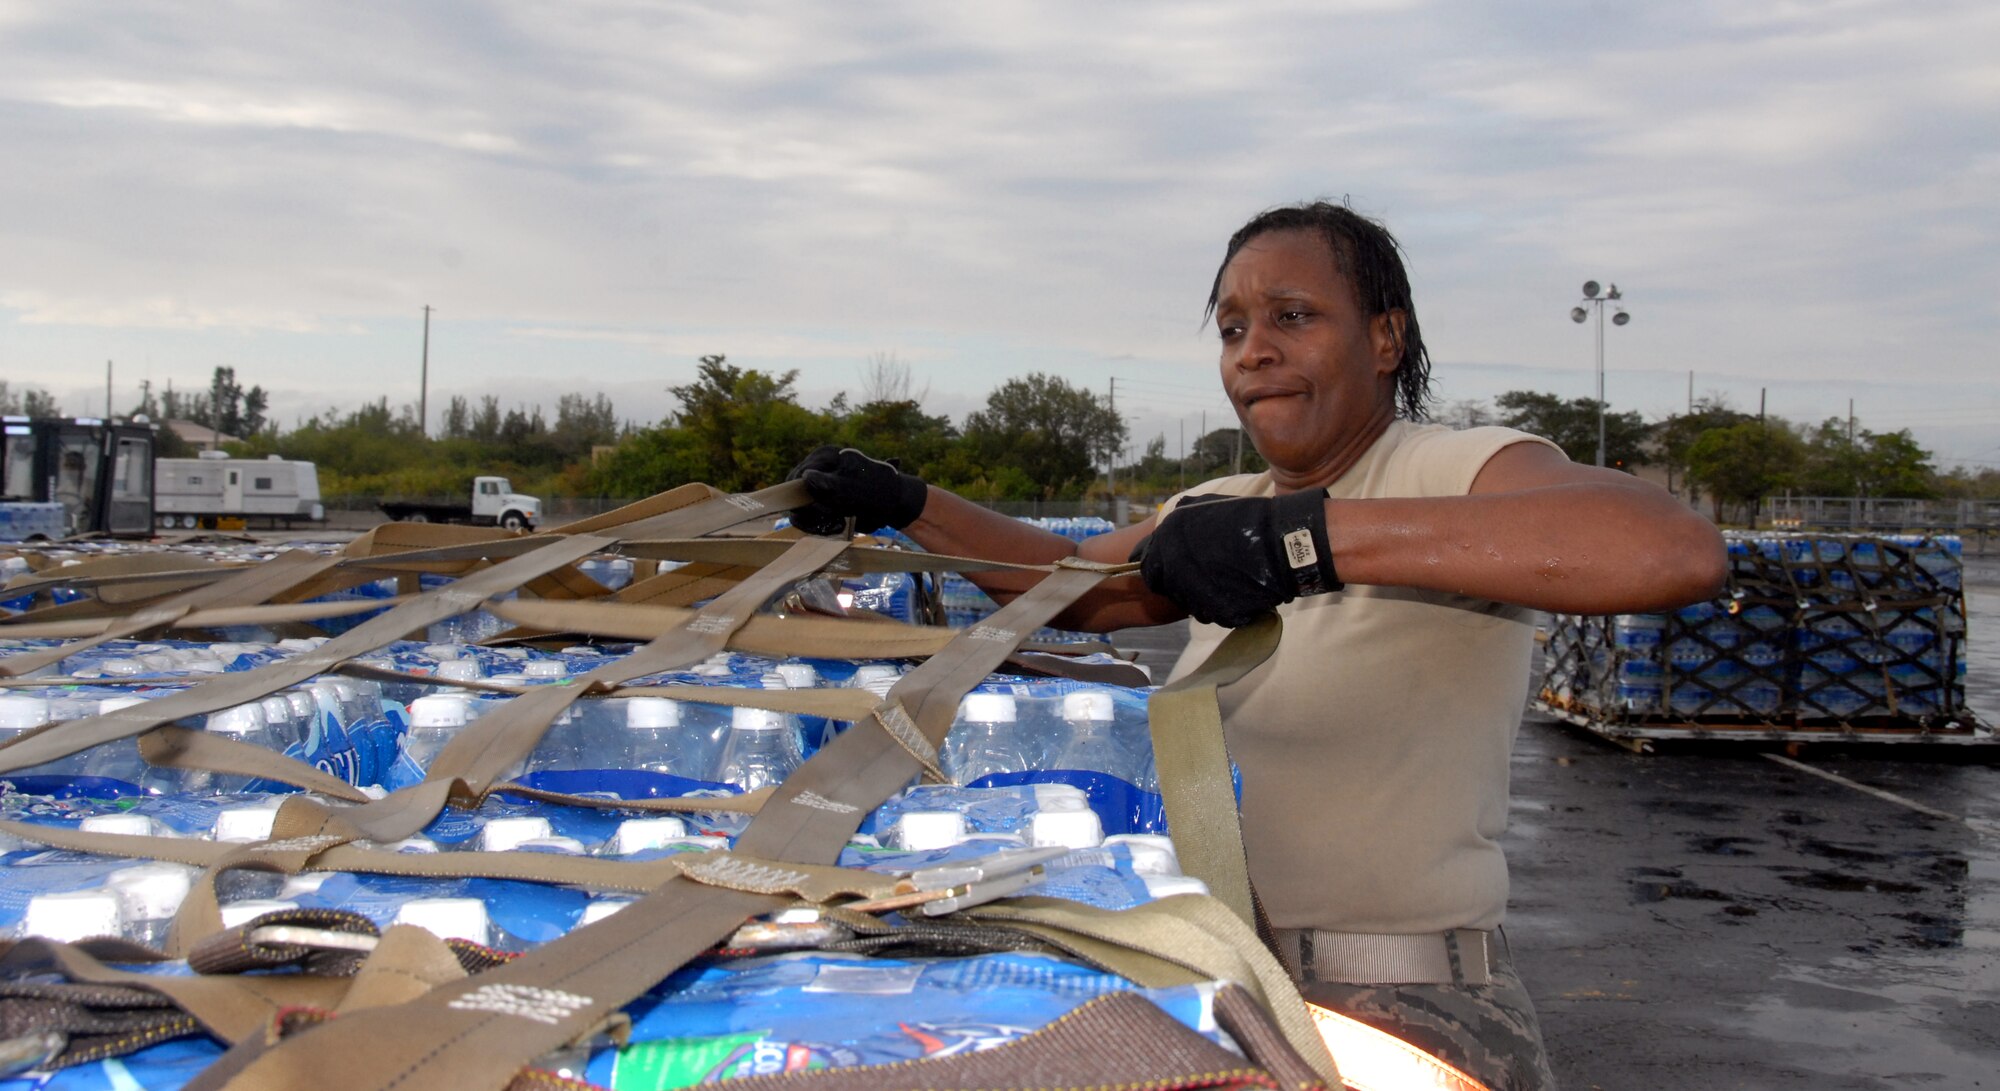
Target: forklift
(65, 477)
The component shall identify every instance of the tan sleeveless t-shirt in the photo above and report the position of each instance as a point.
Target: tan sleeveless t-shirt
(1374, 743)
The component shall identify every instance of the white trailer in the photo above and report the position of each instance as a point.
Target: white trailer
(212, 489)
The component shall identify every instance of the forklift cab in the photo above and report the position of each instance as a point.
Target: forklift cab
(100, 472)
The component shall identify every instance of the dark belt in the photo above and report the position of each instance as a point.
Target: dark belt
(1462, 956)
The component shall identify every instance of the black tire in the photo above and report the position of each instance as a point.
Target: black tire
(514, 520)
(417, 517)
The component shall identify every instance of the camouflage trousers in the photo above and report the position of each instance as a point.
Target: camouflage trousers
(1489, 1032)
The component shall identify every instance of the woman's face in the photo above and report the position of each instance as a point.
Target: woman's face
(1311, 378)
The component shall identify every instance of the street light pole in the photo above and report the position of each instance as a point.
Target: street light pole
(1593, 301)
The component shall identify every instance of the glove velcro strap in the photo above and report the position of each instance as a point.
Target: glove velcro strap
(1300, 520)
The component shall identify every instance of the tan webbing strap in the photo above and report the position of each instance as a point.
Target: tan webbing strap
(747, 803)
(40, 746)
(597, 873)
(271, 614)
(812, 882)
(406, 963)
(1193, 762)
(495, 744)
(231, 1008)
(173, 747)
(478, 1033)
(236, 587)
(819, 806)
(1188, 931)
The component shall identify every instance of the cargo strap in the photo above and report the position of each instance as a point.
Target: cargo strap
(479, 1032)
(1193, 761)
(237, 587)
(1172, 941)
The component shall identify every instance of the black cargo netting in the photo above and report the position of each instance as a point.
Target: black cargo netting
(1818, 631)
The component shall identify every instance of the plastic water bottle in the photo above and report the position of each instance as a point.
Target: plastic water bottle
(117, 760)
(1091, 746)
(652, 739)
(434, 722)
(243, 723)
(148, 897)
(986, 739)
(761, 749)
(21, 713)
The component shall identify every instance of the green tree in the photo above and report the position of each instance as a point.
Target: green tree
(1675, 435)
(1892, 464)
(1745, 462)
(28, 402)
(1572, 425)
(899, 429)
(747, 425)
(1052, 433)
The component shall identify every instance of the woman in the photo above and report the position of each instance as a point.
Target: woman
(1406, 561)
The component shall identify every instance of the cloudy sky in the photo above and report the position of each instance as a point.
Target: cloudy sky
(1798, 197)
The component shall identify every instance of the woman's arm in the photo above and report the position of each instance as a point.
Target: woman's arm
(1536, 530)
(953, 525)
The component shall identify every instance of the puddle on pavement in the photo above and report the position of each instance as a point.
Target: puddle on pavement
(1842, 883)
(1651, 891)
(1725, 846)
(1696, 808)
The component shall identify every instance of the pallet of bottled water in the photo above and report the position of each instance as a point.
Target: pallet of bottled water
(1032, 763)
(1813, 636)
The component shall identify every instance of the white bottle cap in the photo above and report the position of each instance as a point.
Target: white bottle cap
(345, 690)
(303, 705)
(238, 720)
(798, 675)
(1166, 886)
(238, 914)
(1069, 829)
(121, 668)
(1060, 797)
(20, 713)
(509, 653)
(419, 845)
(126, 823)
(1152, 853)
(1087, 705)
(448, 918)
(439, 710)
(649, 712)
(635, 834)
(251, 823)
(503, 834)
(546, 668)
(459, 670)
(773, 680)
(554, 846)
(150, 892)
(745, 718)
(987, 708)
(72, 916)
(203, 664)
(113, 704)
(302, 643)
(868, 672)
(305, 882)
(917, 831)
(880, 687)
(599, 908)
(711, 670)
(443, 652)
(276, 709)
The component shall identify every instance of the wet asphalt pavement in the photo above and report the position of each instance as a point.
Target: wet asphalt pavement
(1713, 918)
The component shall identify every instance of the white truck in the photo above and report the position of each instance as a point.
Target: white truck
(215, 489)
(494, 503)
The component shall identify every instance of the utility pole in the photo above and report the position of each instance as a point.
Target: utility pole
(1111, 463)
(1183, 426)
(424, 380)
(1690, 392)
(107, 391)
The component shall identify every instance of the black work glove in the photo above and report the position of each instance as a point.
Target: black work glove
(848, 484)
(1230, 560)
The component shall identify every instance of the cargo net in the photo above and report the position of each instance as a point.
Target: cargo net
(1821, 630)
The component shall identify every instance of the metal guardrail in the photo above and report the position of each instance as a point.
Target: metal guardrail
(1862, 513)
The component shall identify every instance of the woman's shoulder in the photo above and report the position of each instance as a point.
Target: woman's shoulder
(1438, 460)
